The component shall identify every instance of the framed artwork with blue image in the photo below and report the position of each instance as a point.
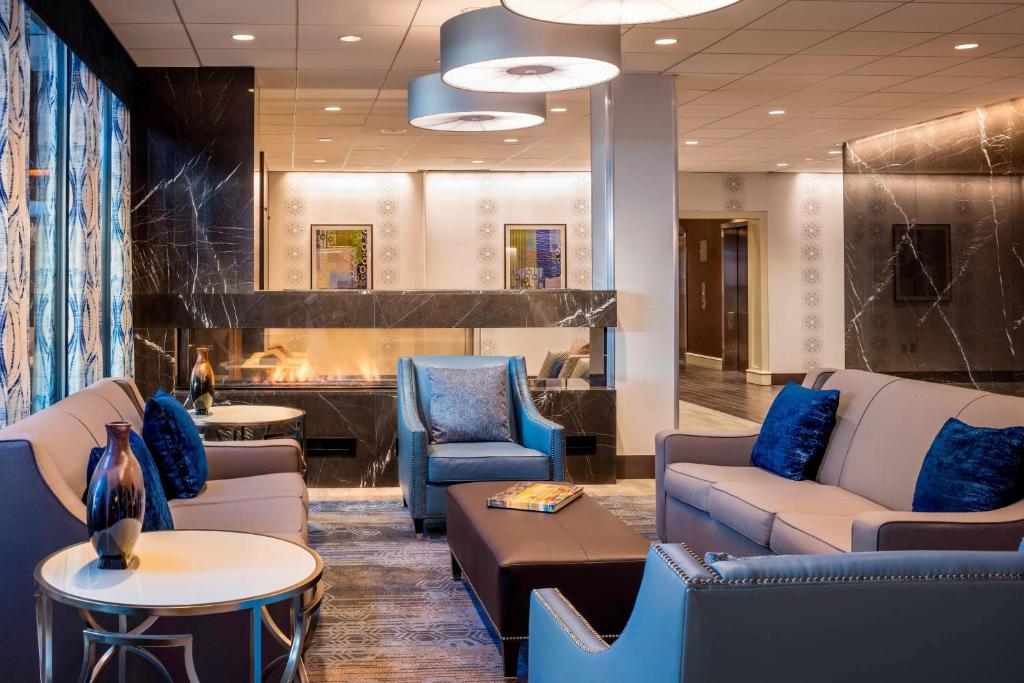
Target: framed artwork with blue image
(535, 256)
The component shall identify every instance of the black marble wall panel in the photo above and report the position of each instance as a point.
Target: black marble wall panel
(964, 172)
(380, 309)
(368, 417)
(192, 181)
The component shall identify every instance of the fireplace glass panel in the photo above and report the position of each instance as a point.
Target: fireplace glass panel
(316, 357)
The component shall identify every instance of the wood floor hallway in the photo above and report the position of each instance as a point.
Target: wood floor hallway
(726, 392)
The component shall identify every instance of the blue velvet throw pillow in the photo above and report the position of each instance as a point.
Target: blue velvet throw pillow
(971, 469)
(176, 446)
(158, 513)
(796, 431)
(469, 404)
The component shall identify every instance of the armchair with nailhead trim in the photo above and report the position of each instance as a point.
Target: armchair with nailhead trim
(427, 469)
(884, 617)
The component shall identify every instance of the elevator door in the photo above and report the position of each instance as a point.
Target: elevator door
(735, 337)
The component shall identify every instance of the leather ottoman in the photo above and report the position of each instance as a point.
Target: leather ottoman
(583, 550)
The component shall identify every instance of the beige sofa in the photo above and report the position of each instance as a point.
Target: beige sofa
(709, 496)
(253, 486)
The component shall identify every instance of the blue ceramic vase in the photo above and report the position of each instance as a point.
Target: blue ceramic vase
(116, 502)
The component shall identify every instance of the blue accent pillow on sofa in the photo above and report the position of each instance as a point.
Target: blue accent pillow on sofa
(971, 469)
(158, 513)
(176, 446)
(796, 431)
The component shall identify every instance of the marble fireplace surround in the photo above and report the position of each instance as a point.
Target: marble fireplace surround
(366, 416)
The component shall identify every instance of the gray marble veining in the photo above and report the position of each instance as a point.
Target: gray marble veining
(961, 176)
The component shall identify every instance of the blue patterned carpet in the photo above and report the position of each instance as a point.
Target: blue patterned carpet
(392, 611)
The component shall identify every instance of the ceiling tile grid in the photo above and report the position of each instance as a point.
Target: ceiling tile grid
(837, 68)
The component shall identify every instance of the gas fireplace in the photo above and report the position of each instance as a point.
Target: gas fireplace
(314, 357)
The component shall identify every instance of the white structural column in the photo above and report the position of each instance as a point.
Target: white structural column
(635, 248)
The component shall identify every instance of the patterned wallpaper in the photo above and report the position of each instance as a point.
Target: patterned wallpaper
(15, 232)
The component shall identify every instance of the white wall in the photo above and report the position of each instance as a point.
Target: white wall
(805, 256)
(391, 202)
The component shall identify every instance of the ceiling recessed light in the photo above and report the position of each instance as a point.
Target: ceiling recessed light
(558, 110)
(325, 139)
(666, 41)
(243, 37)
(319, 161)
(350, 39)
(511, 141)
(777, 112)
(332, 108)
(477, 161)
(965, 46)
(693, 142)
(252, 89)
(835, 152)
(394, 131)
(782, 165)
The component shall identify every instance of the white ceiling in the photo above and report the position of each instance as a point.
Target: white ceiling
(839, 68)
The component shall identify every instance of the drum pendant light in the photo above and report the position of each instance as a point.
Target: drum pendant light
(494, 50)
(603, 12)
(436, 106)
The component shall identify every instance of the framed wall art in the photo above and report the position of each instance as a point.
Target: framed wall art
(535, 256)
(341, 257)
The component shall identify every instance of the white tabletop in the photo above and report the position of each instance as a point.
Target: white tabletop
(180, 569)
(243, 415)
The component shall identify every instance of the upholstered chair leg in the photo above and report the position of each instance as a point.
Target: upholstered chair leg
(456, 569)
(418, 526)
(510, 657)
(405, 503)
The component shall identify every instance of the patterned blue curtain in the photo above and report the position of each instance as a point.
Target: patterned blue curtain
(15, 235)
(85, 125)
(122, 335)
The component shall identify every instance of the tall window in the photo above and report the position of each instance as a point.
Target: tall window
(78, 203)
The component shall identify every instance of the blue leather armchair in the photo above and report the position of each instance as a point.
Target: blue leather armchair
(425, 469)
(885, 617)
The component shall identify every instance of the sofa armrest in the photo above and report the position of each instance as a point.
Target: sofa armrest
(1000, 529)
(234, 459)
(554, 618)
(705, 447)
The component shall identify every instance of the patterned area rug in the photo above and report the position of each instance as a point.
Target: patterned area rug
(392, 611)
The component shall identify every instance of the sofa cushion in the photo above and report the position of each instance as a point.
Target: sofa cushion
(812, 533)
(454, 462)
(176, 446)
(469, 404)
(273, 504)
(857, 389)
(971, 469)
(692, 482)
(796, 432)
(895, 433)
(422, 364)
(750, 507)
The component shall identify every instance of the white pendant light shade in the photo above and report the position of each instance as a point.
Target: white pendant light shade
(605, 12)
(436, 106)
(494, 50)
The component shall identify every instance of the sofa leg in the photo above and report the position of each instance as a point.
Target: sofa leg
(405, 503)
(456, 569)
(418, 526)
(510, 657)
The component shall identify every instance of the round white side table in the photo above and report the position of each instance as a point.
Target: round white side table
(176, 574)
(239, 418)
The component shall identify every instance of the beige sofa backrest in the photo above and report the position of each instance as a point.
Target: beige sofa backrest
(886, 425)
(63, 434)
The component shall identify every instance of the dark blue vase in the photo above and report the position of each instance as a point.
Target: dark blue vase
(116, 502)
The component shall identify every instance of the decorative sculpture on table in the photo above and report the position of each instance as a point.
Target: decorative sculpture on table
(202, 383)
(116, 501)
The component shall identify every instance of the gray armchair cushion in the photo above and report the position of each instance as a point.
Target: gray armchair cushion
(455, 462)
(469, 404)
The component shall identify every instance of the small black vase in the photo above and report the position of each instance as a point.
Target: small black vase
(202, 382)
(116, 502)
